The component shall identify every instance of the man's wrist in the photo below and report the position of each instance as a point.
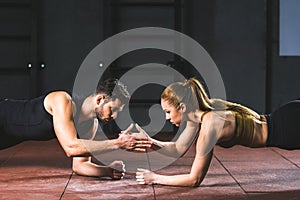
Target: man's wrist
(116, 144)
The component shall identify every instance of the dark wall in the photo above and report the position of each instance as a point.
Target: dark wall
(68, 31)
(234, 34)
(239, 50)
(240, 35)
(284, 70)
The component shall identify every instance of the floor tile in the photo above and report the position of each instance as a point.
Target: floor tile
(218, 184)
(24, 195)
(95, 188)
(41, 170)
(260, 170)
(283, 195)
(37, 170)
(6, 154)
(132, 160)
(292, 155)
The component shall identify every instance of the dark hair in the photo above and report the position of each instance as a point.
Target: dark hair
(114, 89)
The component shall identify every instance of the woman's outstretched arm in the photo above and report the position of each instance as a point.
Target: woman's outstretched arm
(180, 146)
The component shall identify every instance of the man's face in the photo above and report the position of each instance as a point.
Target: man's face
(108, 109)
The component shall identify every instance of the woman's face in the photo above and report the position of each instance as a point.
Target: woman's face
(172, 114)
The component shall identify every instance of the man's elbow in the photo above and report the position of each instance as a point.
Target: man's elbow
(70, 153)
(77, 169)
(73, 151)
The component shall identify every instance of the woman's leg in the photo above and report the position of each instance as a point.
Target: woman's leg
(285, 126)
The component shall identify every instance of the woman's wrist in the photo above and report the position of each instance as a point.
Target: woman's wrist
(155, 179)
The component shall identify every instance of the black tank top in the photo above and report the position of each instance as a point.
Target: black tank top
(83, 128)
(22, 120)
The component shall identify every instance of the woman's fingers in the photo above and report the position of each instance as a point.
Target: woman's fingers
(142, 182)
(140, 176)
(129, 128)
(139, 149)
(143, 143)
(141, 130)
(139, 170)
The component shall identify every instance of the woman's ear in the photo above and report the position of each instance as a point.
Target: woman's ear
(182, 107)
(99, 97)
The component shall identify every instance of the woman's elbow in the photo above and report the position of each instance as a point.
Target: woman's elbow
(196, 181)
(196, 184)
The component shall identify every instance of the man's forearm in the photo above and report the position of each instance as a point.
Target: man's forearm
(101, 146)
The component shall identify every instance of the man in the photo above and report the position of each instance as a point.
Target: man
(57, 115)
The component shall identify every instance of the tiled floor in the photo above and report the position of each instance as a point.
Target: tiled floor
(40, 170)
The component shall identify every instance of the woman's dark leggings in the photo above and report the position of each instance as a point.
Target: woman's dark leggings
(284, 126)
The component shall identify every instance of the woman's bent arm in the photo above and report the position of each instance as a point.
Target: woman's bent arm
(194, 178)
(206, 141)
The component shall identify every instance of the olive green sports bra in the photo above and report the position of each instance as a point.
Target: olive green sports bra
(244, 130)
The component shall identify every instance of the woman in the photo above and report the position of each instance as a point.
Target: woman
(222, 123)
(57, 115)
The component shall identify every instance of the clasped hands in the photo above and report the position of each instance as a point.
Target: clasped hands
(138, 141)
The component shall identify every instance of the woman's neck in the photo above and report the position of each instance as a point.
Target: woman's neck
(195, 116)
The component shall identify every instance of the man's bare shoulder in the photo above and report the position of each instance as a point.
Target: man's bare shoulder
(57, 99)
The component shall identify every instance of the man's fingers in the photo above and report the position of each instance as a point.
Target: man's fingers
(118, 166)
(117, 173)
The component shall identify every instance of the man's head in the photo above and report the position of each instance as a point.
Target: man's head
(111, 95)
